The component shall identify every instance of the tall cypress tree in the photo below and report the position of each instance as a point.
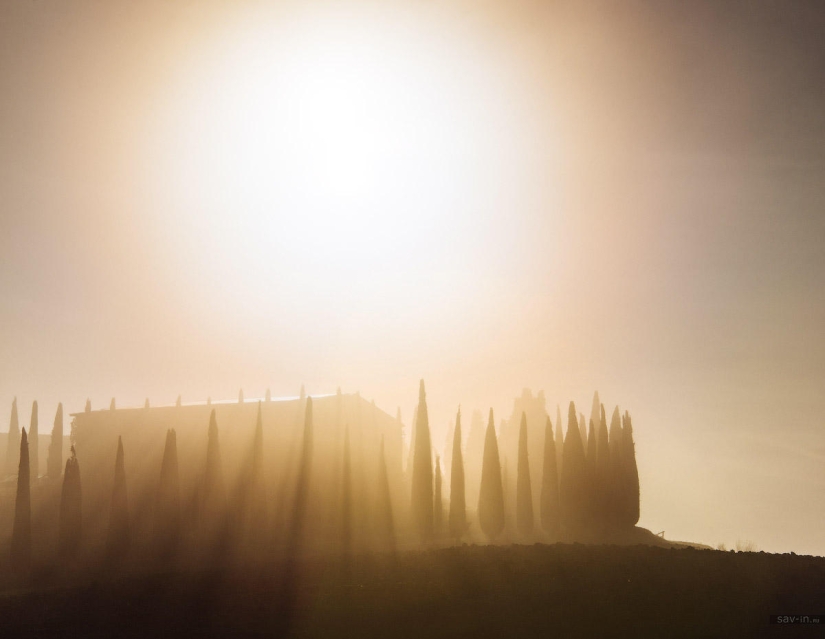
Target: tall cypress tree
(34, 441)
(167, 515)
(55, 459)
(214, 492)
(386, 532)
(631, 473)
(119, 539)
(458, 508)
(491, 496)
(346, 496)
(572, 491)
(422, 475)
(559, 442)
(549, 484)
(70, 509)
(524, 493)
(21, 537)
(13, 441)
(438, 503)
(88, 407)
(616, 489)
(112, 404)
(592, 463)
(146, 404)
(602, 472)
(594, 411)
(256, 493)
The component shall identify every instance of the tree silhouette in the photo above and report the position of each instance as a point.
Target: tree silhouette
(616, 489)
(112, 404)
(346, 496)
(438, 503)
(549, 484)
(572, 489)
(34, 441)
(70, 509)
(256, 492)
(631, 473)
(21, 537)
(214, 492)
(559, 442)
(386, 530)
(55, 459)
(146, 404)
(524, 492)
(118, 541)
(167, 516)
(422, 474)
(591, 464)
(88, 407)
(603, 488)
(13, 441)
(458, 508)
(491, 496)
(178, 401)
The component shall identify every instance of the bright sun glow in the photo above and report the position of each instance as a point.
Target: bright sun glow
(355, 151)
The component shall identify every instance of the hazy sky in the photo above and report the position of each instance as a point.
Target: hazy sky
(568, 196)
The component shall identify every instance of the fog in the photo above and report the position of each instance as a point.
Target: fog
(565, 197)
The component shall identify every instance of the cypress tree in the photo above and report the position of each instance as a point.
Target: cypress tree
(591, 463)
(178, 401)
(491, 497)
(304, 473)
(458, 508)
(88, 408)
(167, 516)
(559, 442)
(146, 404)
(422, 473)
(55, 459)
(524, 493)
(70, 509)
(572, 489)
(214, 494)
(631, 473)
(549, 484)
(386, 530)
(118, 541)
(21, 537)
(253, 500)
(112, 404)
(346, 501)
(34, 441)
(602, 471)
(616, 489)
(583, 432)
(13, 441)
(438, 504)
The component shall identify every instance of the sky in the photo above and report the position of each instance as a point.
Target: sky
(565, 196)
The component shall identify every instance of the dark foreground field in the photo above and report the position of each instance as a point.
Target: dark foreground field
(564, 590)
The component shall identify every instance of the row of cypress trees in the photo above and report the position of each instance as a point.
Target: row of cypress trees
(597, 490)
(54, 462)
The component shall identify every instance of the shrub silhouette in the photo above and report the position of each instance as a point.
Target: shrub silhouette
(549, 484)
(167, 514)
(55, 459)
(524, 493)
(70, 509)
(573, 486)
(458, 507)
(34, 439)
(422, 472)
(119, 539)
(21, 537)
(491, 496)
(13, 441)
